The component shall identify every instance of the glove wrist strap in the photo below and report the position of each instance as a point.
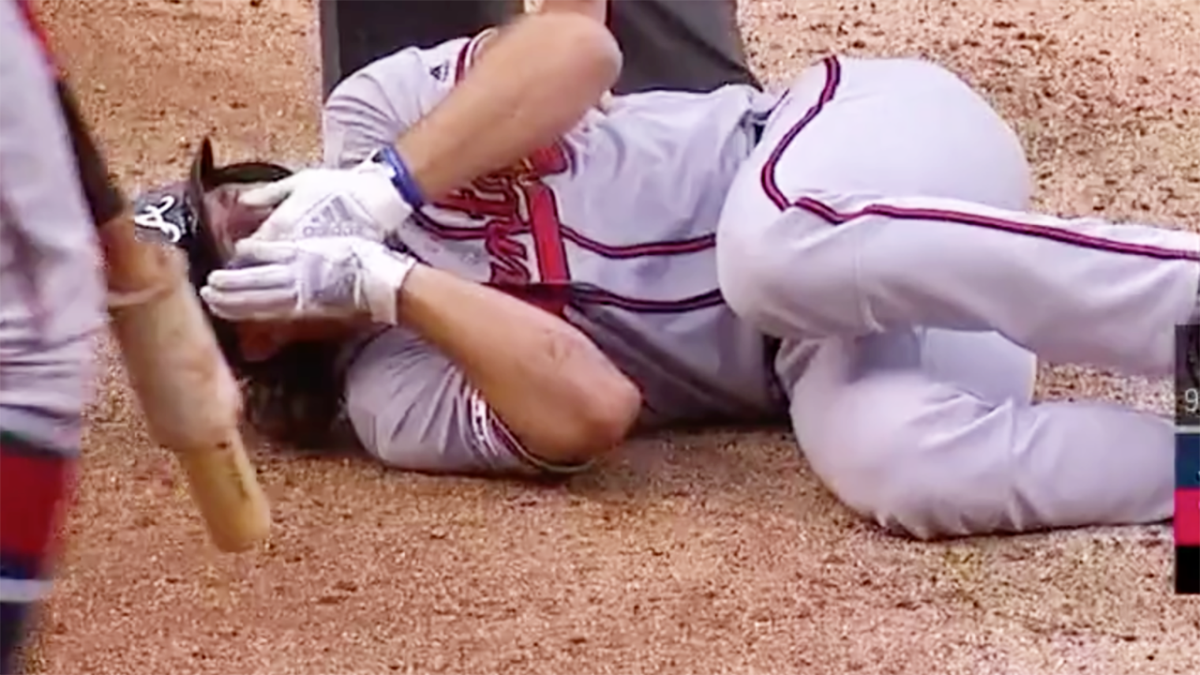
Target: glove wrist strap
(401, 177)
(385, 275)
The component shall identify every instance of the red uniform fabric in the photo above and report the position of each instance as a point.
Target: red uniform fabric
(39, 31)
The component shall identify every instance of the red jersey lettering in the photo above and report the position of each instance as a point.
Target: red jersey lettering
(518, 201)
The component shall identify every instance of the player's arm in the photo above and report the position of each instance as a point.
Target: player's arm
(593, 9)
(413, 409)
(550, 384)
(552, 387)
(514, 91)
(542, 376)
(425, 101)
(529, 85)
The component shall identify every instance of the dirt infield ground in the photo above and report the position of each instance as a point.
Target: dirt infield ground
(697, 554)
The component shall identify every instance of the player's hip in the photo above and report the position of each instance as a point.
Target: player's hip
(879, 128)
(851, 83)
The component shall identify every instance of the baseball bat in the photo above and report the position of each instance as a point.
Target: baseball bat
(187, 393)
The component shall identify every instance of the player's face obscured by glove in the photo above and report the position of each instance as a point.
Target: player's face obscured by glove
(231, 219)
(171, 214)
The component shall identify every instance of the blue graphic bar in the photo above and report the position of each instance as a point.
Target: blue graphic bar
(1187, 513)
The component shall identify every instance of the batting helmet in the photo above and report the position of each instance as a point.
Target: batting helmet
(198, 215)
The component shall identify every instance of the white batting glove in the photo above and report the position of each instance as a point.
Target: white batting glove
(364, 201)
(322, 278)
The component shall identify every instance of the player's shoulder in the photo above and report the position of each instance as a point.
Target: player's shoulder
(383, 98)
(442, 64)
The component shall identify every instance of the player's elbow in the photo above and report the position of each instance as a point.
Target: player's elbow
(596, 10)
(609, 416)
(602, 419)
(595, 409)
(586, 48)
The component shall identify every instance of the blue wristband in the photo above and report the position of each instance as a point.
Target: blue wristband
(401, 178)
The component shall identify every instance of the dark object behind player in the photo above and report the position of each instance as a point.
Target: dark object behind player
(691, 45)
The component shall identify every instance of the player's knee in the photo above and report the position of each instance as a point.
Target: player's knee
(785, 285)
(738, 283)
(752, 278)
(889, 458)
(880, 480)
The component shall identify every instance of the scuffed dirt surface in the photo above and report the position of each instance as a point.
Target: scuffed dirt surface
(695, 554)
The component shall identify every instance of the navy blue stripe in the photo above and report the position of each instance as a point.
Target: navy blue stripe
(16, 566)
(833, 77)
(647, 249)
(1187, 461)
(14, 619)
(596, 296)
(19, 446)
(834, 217)
(64, 425)
(665, 247)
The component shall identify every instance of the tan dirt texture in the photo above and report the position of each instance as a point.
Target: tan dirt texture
(706, 553)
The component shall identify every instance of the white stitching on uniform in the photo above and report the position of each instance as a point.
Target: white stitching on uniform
(24, 590)
(499, 441)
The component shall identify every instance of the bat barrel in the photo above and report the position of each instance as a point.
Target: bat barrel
(224, 487)
(188, 395)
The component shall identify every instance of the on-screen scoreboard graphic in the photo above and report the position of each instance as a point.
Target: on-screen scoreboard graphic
(1187, 460)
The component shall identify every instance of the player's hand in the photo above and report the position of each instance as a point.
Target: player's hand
(322, 278)
(360, 201)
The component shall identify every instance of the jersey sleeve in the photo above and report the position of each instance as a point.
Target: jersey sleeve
(413, 409)
(380, 101)
(104, 199)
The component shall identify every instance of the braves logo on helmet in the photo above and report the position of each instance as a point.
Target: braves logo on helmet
(162, 217)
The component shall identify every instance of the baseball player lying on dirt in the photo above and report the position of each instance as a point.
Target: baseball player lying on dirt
(857, 251)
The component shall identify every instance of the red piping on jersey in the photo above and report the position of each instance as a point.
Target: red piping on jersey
(39, 34)
(466, 55)
(833, 77)
(546, 230)
(590, 294)
(834, 217)
(619, 251)
(647, 249)
(460, 64)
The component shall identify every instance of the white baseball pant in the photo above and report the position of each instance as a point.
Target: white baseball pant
(881, 230)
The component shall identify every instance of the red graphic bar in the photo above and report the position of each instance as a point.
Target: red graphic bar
(1187, 517)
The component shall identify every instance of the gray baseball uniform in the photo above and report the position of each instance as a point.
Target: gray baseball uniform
(879, 229)
(622, 213)
(51, 313)
(51, 284)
